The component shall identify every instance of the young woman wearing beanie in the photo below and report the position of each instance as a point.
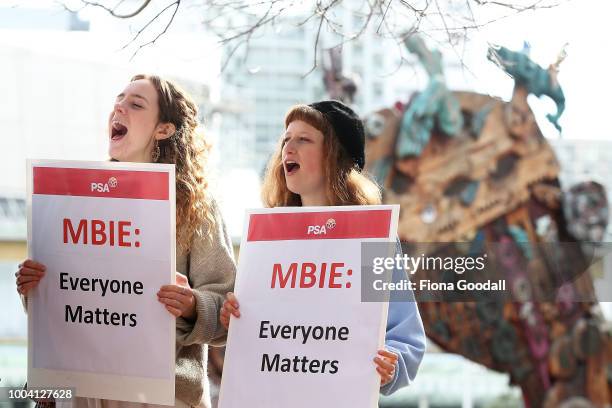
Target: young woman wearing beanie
(318, 162)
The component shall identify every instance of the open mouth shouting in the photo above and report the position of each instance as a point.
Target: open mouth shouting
(118, 130)
(291, 167)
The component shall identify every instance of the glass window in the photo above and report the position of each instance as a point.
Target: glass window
(22, 207)
(378, 90)
(4, 208)
(358, 50)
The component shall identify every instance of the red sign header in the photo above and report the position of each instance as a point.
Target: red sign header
(146, 185)
(320, 225)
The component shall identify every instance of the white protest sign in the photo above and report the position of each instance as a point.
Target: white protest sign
(106, 233)
(305, 338)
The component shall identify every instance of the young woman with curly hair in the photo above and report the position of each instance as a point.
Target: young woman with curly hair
(318, 162)
(155, 121)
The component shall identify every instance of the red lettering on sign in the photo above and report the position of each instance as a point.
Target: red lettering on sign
(75, 237)
(278, 271)
(309, 274)
(98, 232)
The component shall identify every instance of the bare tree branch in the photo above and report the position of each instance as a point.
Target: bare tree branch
(236, 22)
(450, 40)
(323, 11)
(175, 3)
(112, 11)
(263, 20)
(382, 20)
(512, 6)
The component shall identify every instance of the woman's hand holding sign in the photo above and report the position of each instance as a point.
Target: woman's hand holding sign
(178, 298)
(230, 307)
(28, 276)
(386, 361)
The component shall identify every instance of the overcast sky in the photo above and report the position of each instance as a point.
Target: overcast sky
(584, 24)
(584, 75)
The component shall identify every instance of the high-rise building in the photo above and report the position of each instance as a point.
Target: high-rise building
(262, 81)
(274, 71)
(24, 17)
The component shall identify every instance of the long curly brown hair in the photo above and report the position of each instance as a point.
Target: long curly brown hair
(345, 185)
(188, 150)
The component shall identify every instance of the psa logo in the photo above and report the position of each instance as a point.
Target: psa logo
(104, 187)
(321, 229)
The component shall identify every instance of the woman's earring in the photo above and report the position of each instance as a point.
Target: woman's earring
(156, 152)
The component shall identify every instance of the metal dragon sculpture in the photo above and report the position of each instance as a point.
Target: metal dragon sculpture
(469, 168)
(532, 77)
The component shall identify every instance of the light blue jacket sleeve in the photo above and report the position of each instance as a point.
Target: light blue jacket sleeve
(405, 334)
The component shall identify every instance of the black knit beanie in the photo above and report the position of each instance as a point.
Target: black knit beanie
(347, 127)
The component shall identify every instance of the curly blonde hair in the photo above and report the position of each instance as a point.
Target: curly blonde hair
(345, 185)
(188, 150)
